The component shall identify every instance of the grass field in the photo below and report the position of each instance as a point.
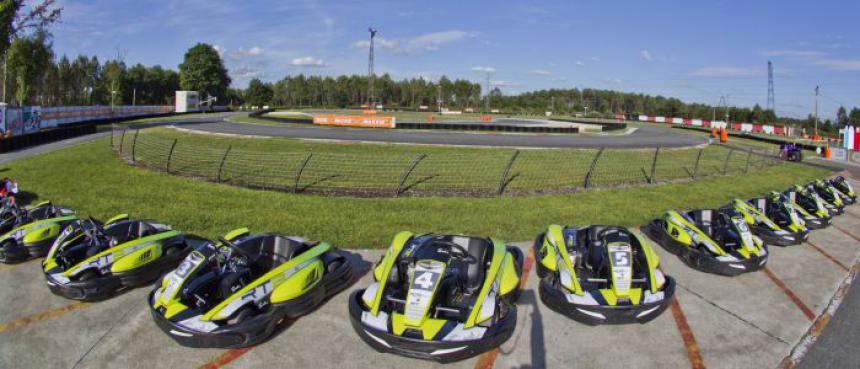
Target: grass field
(91, 179)
(375, 169)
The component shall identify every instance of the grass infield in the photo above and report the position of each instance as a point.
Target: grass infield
(91, 179)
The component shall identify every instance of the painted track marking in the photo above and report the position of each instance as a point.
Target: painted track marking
(843, 230)
(693, 352)
(790, 294)
(828, 256)
(53, 313)
(488, 359)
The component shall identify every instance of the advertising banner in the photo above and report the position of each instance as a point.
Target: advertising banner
(354, 121)
(14, 122)
(30, 118)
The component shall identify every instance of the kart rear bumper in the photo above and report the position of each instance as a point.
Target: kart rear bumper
(439, 351)
(556, 300)
(772, 238)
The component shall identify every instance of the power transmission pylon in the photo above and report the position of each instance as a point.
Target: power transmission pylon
(771, 103)
(370, 73)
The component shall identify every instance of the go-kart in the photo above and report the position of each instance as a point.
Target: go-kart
(34, 232)
(234, 292)
(753, 212)
(601, 275)
(830, 195)
(92, 261)
(439, 297)
(841, 184)
(809, 206)
(714, 241)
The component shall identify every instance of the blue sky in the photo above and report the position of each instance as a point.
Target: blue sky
(693, 50)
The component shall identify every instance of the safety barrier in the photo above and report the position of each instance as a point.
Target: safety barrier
(418, 172)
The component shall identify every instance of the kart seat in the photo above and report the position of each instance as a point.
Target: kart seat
(479, 249)
(230, 282)
(704, 220)
(276, 250)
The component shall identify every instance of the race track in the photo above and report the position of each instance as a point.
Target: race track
(644, 137)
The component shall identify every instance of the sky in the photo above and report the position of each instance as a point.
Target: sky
(693, 50)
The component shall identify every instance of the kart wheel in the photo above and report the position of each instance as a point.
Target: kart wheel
(174, 249)
(334, 265)
(243, 314)
(88, 275)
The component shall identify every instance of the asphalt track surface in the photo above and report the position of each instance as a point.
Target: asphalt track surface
(645, 137)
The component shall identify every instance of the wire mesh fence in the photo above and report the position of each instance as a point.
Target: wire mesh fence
(478, 173)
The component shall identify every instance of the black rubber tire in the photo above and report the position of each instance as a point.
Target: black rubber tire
(174, 249)
(334, 265)
(88, 275)
(246, 312)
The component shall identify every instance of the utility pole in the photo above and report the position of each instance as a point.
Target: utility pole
(439, 97)
(771, 103)
(816, 110)
(370, 73)
(134, 97)
(487, 101)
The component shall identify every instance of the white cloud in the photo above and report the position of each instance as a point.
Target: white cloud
(256, 50)
(220, 50)
(540, 72)
(722, 72)
(797, 53)
(580, 63)
(418, 44)
(245, 73)
(646, 55)
(505, 84)
(307, 61)
(483, 69)
(594, 58)
(840, 64)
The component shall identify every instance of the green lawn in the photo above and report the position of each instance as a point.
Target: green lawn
(91, 179)
(356, 168)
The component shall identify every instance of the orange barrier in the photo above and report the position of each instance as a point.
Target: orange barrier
(827, 152)
(486, 118)
(354, 121)
(714, 133)
(430, 118)
(369, 111)
(724, 136)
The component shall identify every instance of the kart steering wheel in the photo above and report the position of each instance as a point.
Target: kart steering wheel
(460, 252)
(236, 249)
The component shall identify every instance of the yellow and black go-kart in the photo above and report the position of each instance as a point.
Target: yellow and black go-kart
(831, 196)
(440, 297)
(757, 213)
(714, 241)
(92, 261)
(809, 206)
(841, 184)
(234, 292)
(601, 275)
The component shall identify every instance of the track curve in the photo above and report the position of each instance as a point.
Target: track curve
(643, 137)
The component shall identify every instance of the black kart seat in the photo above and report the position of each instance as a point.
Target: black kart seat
(479, 249)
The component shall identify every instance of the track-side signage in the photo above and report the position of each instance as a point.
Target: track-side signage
(354, 121)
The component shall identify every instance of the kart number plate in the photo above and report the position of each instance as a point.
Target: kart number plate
(622, 270)
(424, 280)
(744, 230)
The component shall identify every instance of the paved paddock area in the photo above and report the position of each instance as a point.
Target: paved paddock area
(750, 321)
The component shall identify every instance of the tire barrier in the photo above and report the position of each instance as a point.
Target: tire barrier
(420, 171)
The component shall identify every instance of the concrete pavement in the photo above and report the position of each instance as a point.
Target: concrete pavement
(741, 322)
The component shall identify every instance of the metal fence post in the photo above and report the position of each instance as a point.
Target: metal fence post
(122, 140)
(726, 163)
(299, 172)
(587, 180)
(406, 174)
(223, 160)
(112, 134)
(170, 155)
(749, 156)
(696, 166)
(654, 165)
(503, 179)
(134, 145)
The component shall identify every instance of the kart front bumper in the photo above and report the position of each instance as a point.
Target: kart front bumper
(439, 351)
(556, 300)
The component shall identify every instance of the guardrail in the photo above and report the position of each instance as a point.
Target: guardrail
(421, 171)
